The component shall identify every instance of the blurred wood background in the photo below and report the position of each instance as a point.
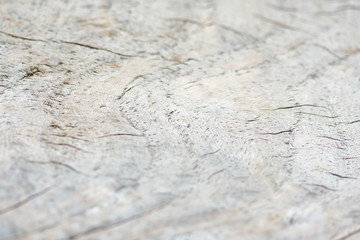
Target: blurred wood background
(180, 120)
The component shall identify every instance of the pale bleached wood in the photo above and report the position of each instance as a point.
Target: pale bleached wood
(197, 120)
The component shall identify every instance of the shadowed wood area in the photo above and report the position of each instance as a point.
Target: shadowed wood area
(180, 120)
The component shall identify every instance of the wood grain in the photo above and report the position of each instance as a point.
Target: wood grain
(174, 120)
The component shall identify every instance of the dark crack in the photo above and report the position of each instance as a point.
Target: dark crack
(340, 176)
(118, 222)
(122, 134)
(97, 48)
(328, 50)
(356, 121)
(277, 133)
(335, 139)
(297, 106)
(185, 20)
(70, 43)
(66, 145)
(210, 153)
(127, 88)
(215, 173)
(31, 72)
(63, 165)
(237, 32)
(317, 115)
(349, 235)
(321, 186)
(24, 201)
(277, 23)
(23, 38)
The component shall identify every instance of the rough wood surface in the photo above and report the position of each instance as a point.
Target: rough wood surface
(180, 120)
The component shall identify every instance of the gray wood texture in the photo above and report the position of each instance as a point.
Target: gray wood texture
(180, 119)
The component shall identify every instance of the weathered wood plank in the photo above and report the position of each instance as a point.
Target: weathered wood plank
(179, 119)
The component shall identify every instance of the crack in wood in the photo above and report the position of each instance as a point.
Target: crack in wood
(70, 43)
(215, 173)
(66, 145)
(23, 38)
(356, 121)
(127, 88)
(277, 133)
(210, 153)
(97, 48)
(328, 50)
(119, 222)
(24, 201)
(340, 176)
(122, 134)
(61, 164)
(317, 115)
(67, 136)
(335, 139)
(296, 106)
(349, 235)
(279, 24)
(321, 186)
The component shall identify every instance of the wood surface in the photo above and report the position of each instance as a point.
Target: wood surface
(180, 119)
